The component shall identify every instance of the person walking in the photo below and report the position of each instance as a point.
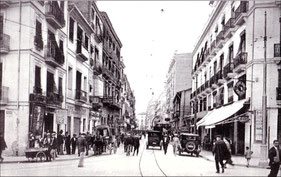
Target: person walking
(176, 143)
(220, 151)
(67, 143)
(89, 142)
(3, 146)
(82, 145)
(60, 142)
(47, 144)
(136, 143)
(248, 155)
(54, 146)
(228, 157)
(73, 141)
(274, 155)
(166, 140)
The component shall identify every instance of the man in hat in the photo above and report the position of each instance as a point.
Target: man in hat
(54, 146)
(220, 151)
(3, 146)
(274, 155)
(82, 143)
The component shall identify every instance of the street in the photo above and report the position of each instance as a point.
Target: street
(148, 163)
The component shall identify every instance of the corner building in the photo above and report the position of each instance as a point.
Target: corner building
(227, 74)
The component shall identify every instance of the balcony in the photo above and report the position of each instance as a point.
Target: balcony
(219, 78)
(276, 53)
(53, 55)
(111, 102)
(98, 38)
(228, 71)
(96, 102)
(38, 42)
(240, 62)
(208, 88)
(278, 95)
(213, 82)
(54, 99)
(241, 13)
(208, 56)
(81, 96)
(81, 52)
(5, 4)
(97, 67)
(4, 92)
(4, 44)
(106, 72)
(214, 48)
(229, 28)
(37, 96)
(54, 14)
(220, 39)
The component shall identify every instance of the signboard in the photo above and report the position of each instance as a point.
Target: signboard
(61, 116)
(37, 120)
(258, 125)
(240, 88)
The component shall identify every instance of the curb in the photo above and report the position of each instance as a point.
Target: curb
(241, 165)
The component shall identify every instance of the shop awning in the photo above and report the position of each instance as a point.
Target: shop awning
(222, 113)
(203, 119)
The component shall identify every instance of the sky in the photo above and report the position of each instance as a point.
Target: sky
(151, 33)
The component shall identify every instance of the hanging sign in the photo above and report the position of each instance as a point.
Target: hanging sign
(61, 115)
(240, 88)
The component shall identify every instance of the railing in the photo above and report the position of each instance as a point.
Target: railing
(38, 42)
(54, 98)
(240, 59)
(229, 24)
(220, 36)
(4, 93)
(242, 8)
(207, 84)
(53, 9)
(54, 53)
(5, 43)
(37, 90)
(277, 50)
(213, 45)
(228, 69)
(213, 80)
(81, 95)
(218, 76)
(106, 71)
(79, 52)
(278, 93)
(95, 99)
(110, 100)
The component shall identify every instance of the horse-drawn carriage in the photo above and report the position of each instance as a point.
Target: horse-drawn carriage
(103, 139)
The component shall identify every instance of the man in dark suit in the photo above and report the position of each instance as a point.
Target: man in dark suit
(220, 152)
(166, 140)
(274, 155)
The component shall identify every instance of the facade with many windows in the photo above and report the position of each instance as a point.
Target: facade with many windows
(227, 73)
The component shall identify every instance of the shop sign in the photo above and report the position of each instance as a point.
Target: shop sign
(258, 125)
(37, 119)
(61, 115)
(240, 88)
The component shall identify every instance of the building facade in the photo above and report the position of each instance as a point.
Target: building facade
(227, 74)
(141, 121)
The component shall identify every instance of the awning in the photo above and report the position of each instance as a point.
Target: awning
(203, 119)
(222, 113)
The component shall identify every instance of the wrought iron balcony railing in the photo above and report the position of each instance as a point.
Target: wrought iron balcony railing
(38, 42)
(54, 14)
(4, 43)
(54, 99)
(81, 95)
(241, 58)
(228, 69)
(53, 55)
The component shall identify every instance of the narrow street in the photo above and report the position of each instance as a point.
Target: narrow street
(148, 163)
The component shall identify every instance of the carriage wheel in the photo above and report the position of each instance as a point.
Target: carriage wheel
(41, 156)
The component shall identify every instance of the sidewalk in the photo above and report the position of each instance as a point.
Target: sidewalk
(237, 160)
(23, 159)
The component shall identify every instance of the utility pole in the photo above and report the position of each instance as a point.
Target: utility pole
(263, 160)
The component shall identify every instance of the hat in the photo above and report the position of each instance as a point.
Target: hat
(83, 133)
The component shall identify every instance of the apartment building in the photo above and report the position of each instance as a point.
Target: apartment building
(141, 121)
(32, 70)
(227, 73)
(178, 79)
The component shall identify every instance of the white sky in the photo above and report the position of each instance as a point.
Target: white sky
(151, 37)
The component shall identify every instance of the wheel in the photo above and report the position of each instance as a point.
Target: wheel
(41, 155)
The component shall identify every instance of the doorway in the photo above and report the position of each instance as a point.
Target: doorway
(2, 122)
(49, 123)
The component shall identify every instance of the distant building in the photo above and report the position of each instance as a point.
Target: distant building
(141, 121)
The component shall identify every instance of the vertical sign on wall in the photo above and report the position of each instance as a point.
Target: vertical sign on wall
(258, 125)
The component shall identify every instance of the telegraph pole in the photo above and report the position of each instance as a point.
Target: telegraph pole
(263, 160)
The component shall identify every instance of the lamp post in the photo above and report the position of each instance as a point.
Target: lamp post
(263, 160)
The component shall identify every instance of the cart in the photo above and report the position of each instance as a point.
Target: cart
(37, 154)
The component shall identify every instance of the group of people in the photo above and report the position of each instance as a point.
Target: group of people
(131, 143)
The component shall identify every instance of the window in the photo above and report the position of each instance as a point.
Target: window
(37, 88)
(85, 83)
(60, 86)
(230, 53)
(1, 26)
(38, 42)
(215, 99)
(84, 124)
(215, 67)
(221, 97)
(50, 83)
(279, 77)
(221, 61)
(86, 42)
(1, 69)
(38, 29)
(71, 29)
(61, 46)
(205, 104)
(242, 46)
(96, 54)
(230, 92)
(70, 76)
(62, 6)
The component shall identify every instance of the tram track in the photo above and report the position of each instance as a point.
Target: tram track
(155, 160)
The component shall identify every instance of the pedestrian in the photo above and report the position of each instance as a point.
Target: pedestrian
(274, 155)
(220, 151)
(73, 141)
(47, 144)
(136, 143)
(3, 146)
(89, 142)
(176, 143)
(166, 140)
(31, 140)
(82, 144)
(67, 143)
(228, 157)
(54, 146)
(248, 155)
(60, 142)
